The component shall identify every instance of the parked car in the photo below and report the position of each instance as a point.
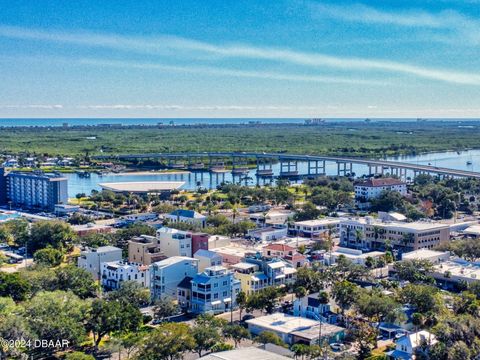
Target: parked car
(338, 346)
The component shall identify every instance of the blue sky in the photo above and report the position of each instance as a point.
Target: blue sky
(226, 58)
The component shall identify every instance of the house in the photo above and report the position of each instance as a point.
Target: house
(267, 233)
(114, 273)
(295, 329)
(207, 259)
(214, 291)
(369, 189)
(234, 253)
(184, 293)
(312, 307)
(187, 216)
(175, 242)
(315, 228)
(369, 233)
(91, 259)
(278, 272)
(145, 249)
(165, 275)
(286, 252)
(250, 277)
(407, 346)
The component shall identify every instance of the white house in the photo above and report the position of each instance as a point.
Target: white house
(312, 307)
(187, 216)
(165, 275)
(91, 259)
(174, 242)
(407, 346)
(116, 272)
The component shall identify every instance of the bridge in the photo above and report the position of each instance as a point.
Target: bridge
(316, 164)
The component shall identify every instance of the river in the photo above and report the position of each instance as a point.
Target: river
(206, 179)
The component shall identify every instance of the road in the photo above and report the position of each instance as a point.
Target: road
(15, 267)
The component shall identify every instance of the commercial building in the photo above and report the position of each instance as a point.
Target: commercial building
(175, 242)
(91, 228)
(368, 233)
(91, 259)
(145, 250)
(371, 188)
(33, 190)
(315, 228)
(355, 256)
(114, 273)
(207, 259)
(214, 291)
(165, 275)
(295, 329)
(435, 257)
(271, 218)
(187, 216)
(266, 234)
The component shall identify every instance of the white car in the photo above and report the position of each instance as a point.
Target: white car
(338, 346)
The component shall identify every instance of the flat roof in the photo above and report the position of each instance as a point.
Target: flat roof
(472, 230)
(423, 254)
(250, 353)
(318, 222)
(142, 186)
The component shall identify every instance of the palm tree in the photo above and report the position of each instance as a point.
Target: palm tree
(358, 236)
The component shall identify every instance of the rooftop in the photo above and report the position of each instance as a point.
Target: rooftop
(173, 260)
(279, 247)
(142, 186)
(250, 353)
(103, 249)
(319, 222)
(206, 253)
(372, 182)
(187, 214)
(423, 254)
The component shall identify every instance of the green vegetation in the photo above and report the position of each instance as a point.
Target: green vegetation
(353, 138)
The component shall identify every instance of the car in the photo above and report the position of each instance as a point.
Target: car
(338, 346)
(248, 317)
(399, 334)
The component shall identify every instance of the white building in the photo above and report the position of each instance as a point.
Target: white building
(312, 307)
(187, 216)
(174, 242)
(214, 291)
(271, 218)
(315, 228)
(165, 275)
(355, 256)
(372, 188)
(207, 258)
(116, 272)
(91, 259)
(435, 257)
(407, 346)
(268, 233)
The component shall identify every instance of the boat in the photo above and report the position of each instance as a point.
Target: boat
(469, 162)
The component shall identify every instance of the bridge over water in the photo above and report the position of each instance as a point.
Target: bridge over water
(239, 161)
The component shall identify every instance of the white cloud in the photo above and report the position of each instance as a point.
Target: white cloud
(33, 106)
(194, 49)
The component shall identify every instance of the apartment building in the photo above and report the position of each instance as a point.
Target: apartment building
(175, 242)
(187, 216)
(165, 275)
(372, 188)
(250, 277)
(91, 259)
(114, 273)
(285, 252)
(207, 259)
(145, 250)
(214, 290)
(371, 234)
(278, 272)
(33, 190)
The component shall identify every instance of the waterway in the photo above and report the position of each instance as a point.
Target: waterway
(206, 179)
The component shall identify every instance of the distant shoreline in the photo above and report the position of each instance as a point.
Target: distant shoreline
(152, 173)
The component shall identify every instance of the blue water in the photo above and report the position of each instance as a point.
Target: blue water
(181, 121)
(449, 159)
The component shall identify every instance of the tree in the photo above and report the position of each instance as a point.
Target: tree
(268, 299)
(388, 201)
(13, 285)
(77, 355)
(241, 302)
(131, 341)
(268, 337)
(164, 307)
(131, 292)
(415, 271)
(48, 257)
(308, 212)
(57, 315)
(236, 332)
(168, 341)
(423, 298)
(205, 338)
(365, 336)
(105, 317)
(309, 279)
(77, 280)
(300, 350)
(56, 234)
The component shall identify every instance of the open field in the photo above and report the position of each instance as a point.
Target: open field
(349, 138)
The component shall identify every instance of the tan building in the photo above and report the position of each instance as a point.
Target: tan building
(145, 250)
(369, 233)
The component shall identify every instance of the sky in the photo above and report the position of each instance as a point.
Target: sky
(230, 58)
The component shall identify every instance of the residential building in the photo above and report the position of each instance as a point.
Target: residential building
(114, 273)
(91, 228)
(165, 275)
(175, 242)
(369, 233)
(250, 353)
(234, 253)
(207, 259)
(355, 256)
(312, 307)
(214, 291)
(145, 250)
(200, 241)
(250, 277)
(91, 259)
(266, 234)
(295, 329)
(285, 252)
(184, 293)
(271, 218)
(33, 190)
(315, 228)
(216, 241)
(187, 216)
(277, 271)
(406, 347)
(369, 189)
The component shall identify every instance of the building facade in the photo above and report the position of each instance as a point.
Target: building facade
(165, 275)
(175, 242)
(145, 249)
(187, 216)
(314, 228)
(114, 273)
(372, 188)
(92, 259)
(207, 259)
